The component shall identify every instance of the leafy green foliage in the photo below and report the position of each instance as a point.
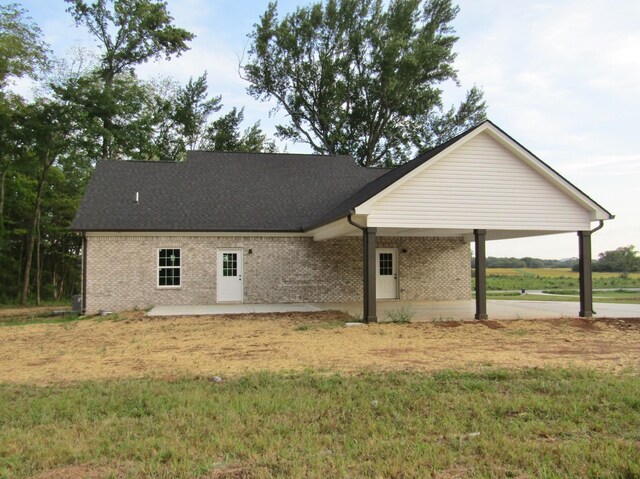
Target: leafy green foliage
(624, 259)
(359, 78)
(527, 262)
(142, 30)
(22, 50)
(130, 32)
(224, 135)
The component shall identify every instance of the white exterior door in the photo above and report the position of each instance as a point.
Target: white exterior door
(230, 276)
(386, 273)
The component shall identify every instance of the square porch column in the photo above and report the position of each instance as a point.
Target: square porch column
(369, 274)
(480, 237)
(584, 267)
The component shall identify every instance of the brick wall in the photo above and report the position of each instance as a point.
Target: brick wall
(122, 270)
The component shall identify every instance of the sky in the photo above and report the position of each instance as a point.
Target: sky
(562, 77)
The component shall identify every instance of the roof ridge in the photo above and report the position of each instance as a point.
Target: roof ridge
(269, 153)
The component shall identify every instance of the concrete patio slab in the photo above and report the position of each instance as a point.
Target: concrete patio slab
(465, 310)
(212, 309)
(419, 311)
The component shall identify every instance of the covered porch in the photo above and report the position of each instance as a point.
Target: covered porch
(374, 307)
(480, 186)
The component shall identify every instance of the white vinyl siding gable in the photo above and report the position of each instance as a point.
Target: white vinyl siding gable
(479, 184)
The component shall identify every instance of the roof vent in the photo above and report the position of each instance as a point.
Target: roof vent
(137, 197)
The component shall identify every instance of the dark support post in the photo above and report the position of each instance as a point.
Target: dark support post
(481, 273)
(586, 292)
(83, 306)
(369, 274)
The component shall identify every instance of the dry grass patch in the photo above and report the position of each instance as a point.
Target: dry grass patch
(138, 346)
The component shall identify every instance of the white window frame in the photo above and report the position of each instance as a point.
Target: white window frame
(158, 268)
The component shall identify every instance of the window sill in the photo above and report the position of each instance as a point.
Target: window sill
(168, 287)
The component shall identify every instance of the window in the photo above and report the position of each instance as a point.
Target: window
(386, 264)
(169, 267)
(229, 264)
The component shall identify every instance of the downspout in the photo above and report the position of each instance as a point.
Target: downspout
(83, 306)
(599, 227)
(353, 212)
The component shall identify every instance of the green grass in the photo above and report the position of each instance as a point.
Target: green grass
(505, 279)
(622, 297)
(315, 325)
(498, 423)
(44, 318)
(64, 303)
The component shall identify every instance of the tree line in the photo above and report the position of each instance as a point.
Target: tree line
(358, 77)
(624, 259)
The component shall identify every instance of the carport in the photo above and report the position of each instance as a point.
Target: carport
(480, 186)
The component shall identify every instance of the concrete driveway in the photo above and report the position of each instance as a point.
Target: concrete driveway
(417, 311)
(465, 310)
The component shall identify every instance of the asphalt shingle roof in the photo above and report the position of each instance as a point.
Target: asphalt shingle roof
(219, 191)
(252, 192)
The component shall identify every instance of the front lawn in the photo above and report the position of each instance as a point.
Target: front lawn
(490, 423)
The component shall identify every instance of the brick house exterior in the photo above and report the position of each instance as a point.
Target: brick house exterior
(287, 228)
(278, 270)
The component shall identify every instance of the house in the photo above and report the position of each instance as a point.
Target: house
(288, 228)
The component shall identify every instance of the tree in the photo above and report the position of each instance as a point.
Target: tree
(130, 32)
(624, 259)
(22, 50)
(224, 135)
(356, 77)
(192, 110)
(46, 133)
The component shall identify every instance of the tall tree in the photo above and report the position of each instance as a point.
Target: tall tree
(224, 134)
(624, 259)
(23, 52)
(130, 33)
(193, 109)
(22, 49)
(356, 77)
(46, 133)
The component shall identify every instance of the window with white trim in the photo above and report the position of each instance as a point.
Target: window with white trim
(169, 269)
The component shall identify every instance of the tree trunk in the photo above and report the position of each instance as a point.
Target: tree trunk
(38, 261)
(107, 120)
(3, 177)
(32, 233)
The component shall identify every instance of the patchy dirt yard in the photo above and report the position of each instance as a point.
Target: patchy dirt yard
(168, 347)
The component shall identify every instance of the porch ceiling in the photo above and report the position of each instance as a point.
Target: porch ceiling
(343, 228)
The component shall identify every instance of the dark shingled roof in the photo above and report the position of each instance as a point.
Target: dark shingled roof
(218, 191)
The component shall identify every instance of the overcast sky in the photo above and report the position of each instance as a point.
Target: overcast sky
(562, 77)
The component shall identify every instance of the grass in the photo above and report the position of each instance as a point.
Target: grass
(620, 296)
(63, 303)
(506, 279)
(403, 314)
(44, 318)
(498, 423)
(316, 325)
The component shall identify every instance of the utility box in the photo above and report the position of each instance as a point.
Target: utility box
(76, 303)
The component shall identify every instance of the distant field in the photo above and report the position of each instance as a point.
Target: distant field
(551, 273)
(505, 279)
